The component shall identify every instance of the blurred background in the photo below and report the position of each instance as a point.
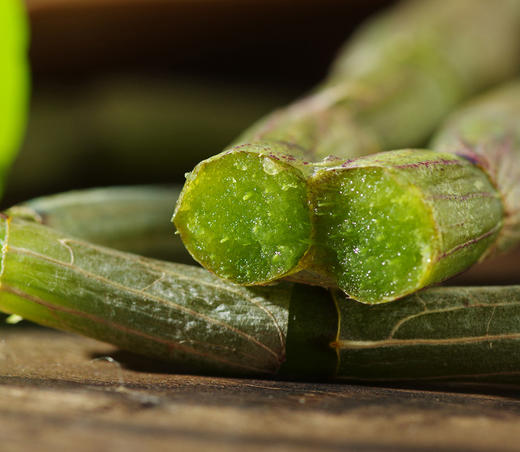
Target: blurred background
(138, 91)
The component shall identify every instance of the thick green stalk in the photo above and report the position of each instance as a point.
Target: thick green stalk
(444, 333)
(389, 224)
(132, 219)
(248, 229)
(197, 322)
(487, 133)
(159, 309)
(392, 223)
(389, 88)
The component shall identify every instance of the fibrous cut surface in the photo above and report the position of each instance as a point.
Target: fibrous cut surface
(376, 231)
(245, 217)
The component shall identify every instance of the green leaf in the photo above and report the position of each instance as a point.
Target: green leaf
(14, 80)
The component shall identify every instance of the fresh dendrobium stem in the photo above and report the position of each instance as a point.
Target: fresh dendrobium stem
(248, 229)
(487, 133)
(130, 218)
(385, 225)
(392, 223)
(442, 333)
(244, 214)
(159, 309)
(197, 322)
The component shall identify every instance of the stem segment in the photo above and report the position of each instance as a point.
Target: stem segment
(168, 311)
(132, 219)
(392, 223)
(390, 87)
(260, 244)
(445, 333)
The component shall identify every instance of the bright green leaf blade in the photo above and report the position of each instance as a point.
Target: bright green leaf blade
(14, 79)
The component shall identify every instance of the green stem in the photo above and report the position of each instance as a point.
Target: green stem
(486, 132)
(197, 322)
(168, 311)
(392, 223)
(388, 224)
(244, 213)
(132, 219)
(445, 333)
(119, 120)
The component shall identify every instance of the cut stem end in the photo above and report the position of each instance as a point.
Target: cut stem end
(376, 231)
(245, 216)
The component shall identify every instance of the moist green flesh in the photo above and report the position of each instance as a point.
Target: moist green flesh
(246, 217)
(377, 233)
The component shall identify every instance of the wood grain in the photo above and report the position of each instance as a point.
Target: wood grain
(58, 389)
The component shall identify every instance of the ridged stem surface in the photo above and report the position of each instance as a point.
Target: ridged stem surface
(134, 219)
(487, 133)
(187, 317)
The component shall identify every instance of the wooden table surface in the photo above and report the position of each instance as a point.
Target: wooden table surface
(65, 392)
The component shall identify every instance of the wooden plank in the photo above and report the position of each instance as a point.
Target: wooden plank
(61, 391)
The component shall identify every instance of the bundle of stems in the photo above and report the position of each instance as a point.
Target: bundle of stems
(58, 267)
(247, 214)
(391, 223)
(199, 323)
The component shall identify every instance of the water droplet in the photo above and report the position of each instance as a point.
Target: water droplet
(247, 195)
(270, 167)
(277, 257)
